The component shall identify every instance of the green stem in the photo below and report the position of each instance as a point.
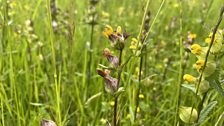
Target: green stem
(57, 86)
(139, 85)
(118, 83)
(142, 24)
(90, 53)
(180, 69)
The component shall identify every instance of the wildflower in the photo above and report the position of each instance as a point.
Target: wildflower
(138, 109)
(187, 116)
(112, 59)
(128, 116)
(119, 30)
(189, 78)
(112, 103)
(208, 40)
(196, 49)
(134, 43)
(191, 37)
(217, 44)
(199, 65)
(103, 121)
(209, 69)
(141, 96)
(108, 31)
(41, 57)
(105, 14)
(117, 37)
(110, 83)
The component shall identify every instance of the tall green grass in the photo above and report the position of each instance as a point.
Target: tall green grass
(46, 77)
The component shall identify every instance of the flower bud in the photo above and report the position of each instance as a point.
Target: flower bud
(110, 83)
(187, 116)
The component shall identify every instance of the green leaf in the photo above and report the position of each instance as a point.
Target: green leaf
(205, 111)
(214, 82)
(189, 86)
(36, 104)
(92, 98)
(119, 91)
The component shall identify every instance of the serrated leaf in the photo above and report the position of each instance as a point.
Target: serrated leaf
(214, 82)
(217, 86)
(205, 111)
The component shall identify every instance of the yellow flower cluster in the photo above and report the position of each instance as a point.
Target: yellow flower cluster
(208, 65)
(134, 43)
(192, 36)
(200, 53)
(218, 40)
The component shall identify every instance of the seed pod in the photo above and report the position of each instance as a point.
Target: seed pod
(204, 86)
(209, 69)
(186, 115)
(112, 59)
(110, 83)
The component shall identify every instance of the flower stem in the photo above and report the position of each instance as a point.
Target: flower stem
(118, 83)
(90, 50)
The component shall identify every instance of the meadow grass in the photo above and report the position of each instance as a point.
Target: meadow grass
(49, 61)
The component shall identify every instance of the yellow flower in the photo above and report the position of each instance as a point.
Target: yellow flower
(189, 78)
(119, 30)
(199, 64)
(112, 103)
(108, 31)
(138, 109)
(103, 121)
(128, 116)
(141, 96)
(193, 36)
(208, 40)
(217, 44)
(134, 43)
(105, 14)
(196, 49)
